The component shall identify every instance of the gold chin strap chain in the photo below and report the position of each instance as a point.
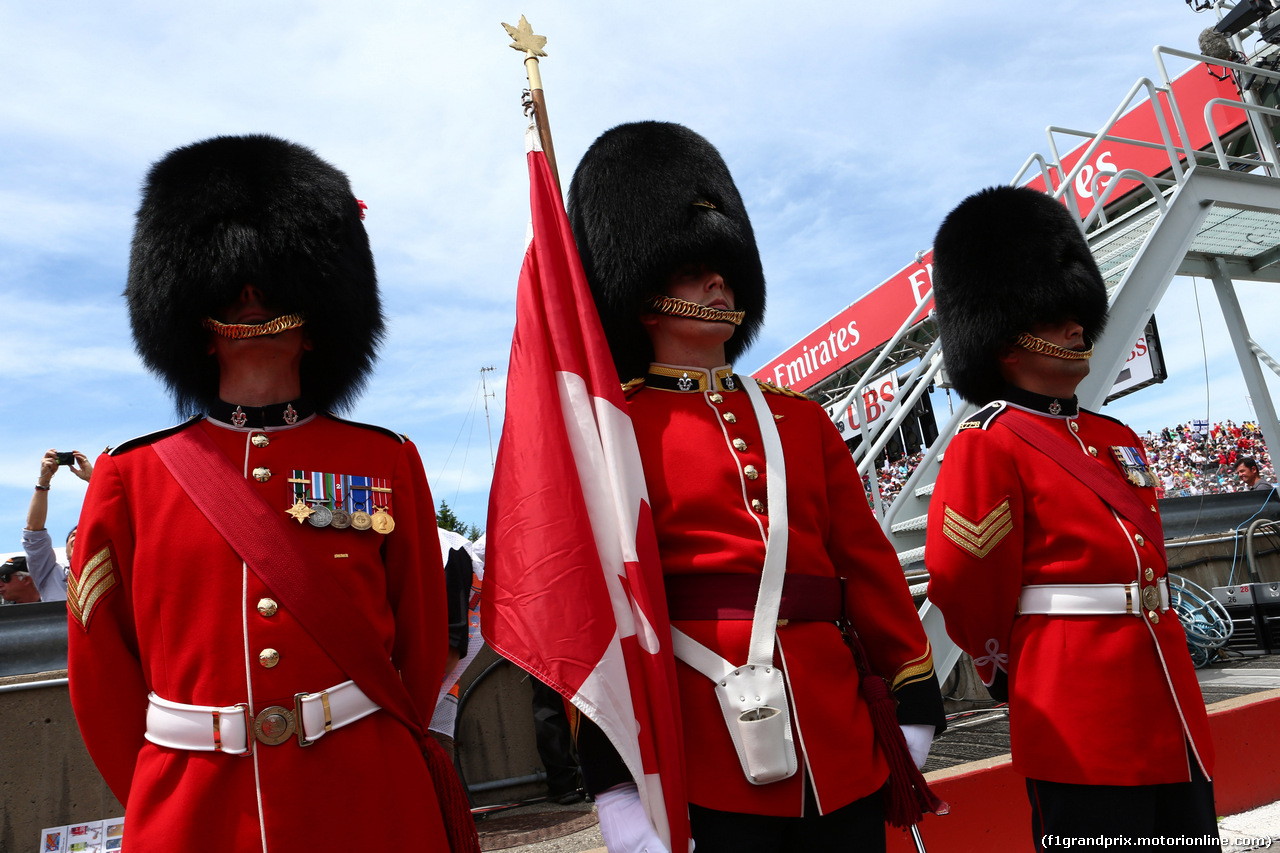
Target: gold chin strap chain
(239, 331)
(1043, 347)
(674, 307)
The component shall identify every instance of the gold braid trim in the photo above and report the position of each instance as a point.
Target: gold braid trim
(1039, 345)
(916, 669)
(766, 385)
(674, 307)
(239, 331)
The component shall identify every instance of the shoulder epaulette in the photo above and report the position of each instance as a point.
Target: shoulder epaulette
(398, 436)
(632, 386)
(778, 389)
(151, 437)
(982, 418)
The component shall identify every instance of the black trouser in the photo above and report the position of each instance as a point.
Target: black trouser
(551, 731)
(856, 828)
(1178, 811)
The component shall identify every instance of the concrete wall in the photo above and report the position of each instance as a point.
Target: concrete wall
(46, 776)
(494, 736)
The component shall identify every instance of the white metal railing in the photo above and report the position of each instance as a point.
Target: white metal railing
(1174, 141)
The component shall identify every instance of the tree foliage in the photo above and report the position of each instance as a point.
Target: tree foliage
(447, 519)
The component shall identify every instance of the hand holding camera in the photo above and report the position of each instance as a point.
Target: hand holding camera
(73, 459)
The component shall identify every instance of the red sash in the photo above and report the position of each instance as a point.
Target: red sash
(1115, 493)
(265, 542)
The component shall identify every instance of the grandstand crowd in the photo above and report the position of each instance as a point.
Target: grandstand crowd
(1190, 459)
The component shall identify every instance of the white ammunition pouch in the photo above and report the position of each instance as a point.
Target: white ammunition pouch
(753, 697)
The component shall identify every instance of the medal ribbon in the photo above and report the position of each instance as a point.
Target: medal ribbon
(298, 480)
(319, 492)
(360, 493)
(382, 494)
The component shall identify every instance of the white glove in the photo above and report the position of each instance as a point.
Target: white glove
(623, 823)
(919, 739)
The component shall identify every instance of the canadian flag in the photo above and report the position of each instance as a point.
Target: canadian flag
(573, 587)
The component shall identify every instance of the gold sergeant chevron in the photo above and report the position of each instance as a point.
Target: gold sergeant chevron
(978, 538)
(96, 579)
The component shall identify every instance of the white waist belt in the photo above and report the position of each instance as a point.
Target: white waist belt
(233, 729)
(1093, 599)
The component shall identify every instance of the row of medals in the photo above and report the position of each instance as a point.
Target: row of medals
(319, 515)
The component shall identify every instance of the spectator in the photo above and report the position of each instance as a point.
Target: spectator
(463, 570)
(50, 579)
(16, 586)
(1248, 473)
(1187, 466)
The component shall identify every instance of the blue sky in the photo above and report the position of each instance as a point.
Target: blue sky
(851, 129)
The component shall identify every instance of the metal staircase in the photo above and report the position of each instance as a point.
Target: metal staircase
(1204, 216)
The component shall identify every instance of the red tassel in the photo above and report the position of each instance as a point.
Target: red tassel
(908, 798)
(455, 809)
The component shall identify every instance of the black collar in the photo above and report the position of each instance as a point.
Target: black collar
(671, 377)
(1040, 403)
(261, 417)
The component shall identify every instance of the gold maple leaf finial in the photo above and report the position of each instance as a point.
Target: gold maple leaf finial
(524, 40)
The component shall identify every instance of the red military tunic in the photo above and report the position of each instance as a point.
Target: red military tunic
(1098, 699)
(181, 615)
(705, 470)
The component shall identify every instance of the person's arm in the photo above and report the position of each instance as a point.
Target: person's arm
(877, 601)
(108, 688)
(38, 511)
(415, 584)
(973, 550)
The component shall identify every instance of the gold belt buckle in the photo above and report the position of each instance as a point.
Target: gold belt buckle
(1151, 597)
(273, 725)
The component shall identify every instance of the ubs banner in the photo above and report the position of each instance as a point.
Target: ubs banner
(879, 401)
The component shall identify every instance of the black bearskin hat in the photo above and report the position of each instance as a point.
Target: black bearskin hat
(1004, 260)
(647, 199)
(237, 210)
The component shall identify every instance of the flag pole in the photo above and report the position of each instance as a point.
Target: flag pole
(524, 40)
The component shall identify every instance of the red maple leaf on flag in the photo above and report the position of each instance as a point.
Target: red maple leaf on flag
(573, 586)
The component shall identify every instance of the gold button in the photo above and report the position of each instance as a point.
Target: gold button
(730, 417)
(267, 607)
(1153, 508)
(262, 474)
(1154, 617)
(739, 445)
(757, 505)
(1137, 537)
(260, 440)
(751, 472)
(716, 398)
(1075, 427)
(268, 657)
(1093, 451)
(1149, 575)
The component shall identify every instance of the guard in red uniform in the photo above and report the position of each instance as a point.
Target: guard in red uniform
(1045, 546)
(214, 707)
(672, 262)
